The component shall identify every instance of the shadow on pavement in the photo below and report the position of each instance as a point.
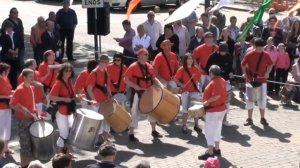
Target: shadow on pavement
(124, 156)
(231, 134)
(270, 132)
(236, 102)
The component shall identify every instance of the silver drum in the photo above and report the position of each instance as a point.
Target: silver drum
(85, 129)
(42, 140)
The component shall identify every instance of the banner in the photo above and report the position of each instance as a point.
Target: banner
(131, 6)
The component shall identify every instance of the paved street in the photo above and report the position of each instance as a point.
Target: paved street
(247, 147)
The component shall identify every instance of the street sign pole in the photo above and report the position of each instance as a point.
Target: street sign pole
(95, 36)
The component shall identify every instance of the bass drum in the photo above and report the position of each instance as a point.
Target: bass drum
(85, 129)
(42, 142)
(159, 103)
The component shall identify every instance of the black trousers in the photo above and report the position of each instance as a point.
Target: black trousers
(271, 86)
(13, 73)
(129, 59)
(281, 76)
(67, 34)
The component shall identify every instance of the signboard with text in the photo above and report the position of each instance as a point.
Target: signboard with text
(92, 3)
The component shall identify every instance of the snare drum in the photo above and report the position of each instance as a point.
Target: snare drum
(196, 111)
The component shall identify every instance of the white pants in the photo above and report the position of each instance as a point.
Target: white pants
(120, 98)
(5, 124)
(213, 127)
(135, 113)
(186, 98)
(204, 80)
(229, 91)
(258, 94)
(64, 124)
(104, 127)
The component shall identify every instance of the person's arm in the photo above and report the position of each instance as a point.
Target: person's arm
(129, 83)
(32, 37)
(157, 82)
(269, 69)
(75, 19)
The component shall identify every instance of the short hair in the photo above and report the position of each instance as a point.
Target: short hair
(204, 15)
(61, 161)
(8, 24)
(168, 26)
(140, 26)
(4, 67)
(215, 70)
(36, 164)
(107, 149)
(259, 42)
(47, 53)
(64, 67)
(2, 144)
(11, 10)
(26, 72)
(233, 17)
(126, 22)
(143, 164)
(29, 62)
(91, 65)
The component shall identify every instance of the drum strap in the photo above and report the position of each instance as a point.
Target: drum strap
(102, 88)
(192, 80)
(71, 105)
(117, 86)
(146, 75)
(254, 75)
(46, 87)
(168, 64)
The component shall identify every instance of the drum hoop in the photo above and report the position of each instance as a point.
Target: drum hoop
(105, 116)
(161, 97)
(40, 137)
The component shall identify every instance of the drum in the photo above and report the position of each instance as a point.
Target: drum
(115, 115)
(85, 128)
(42, 140)
(159, 103)
(196, 111)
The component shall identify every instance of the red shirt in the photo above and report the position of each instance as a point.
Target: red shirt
(5, 90)
(50, 80)
(24, 96)
(38, 92)
(251, 60)
(202, 52)
(216, 86)
(134, 72)
(60, 90)
(162, 66)
(182, 76)
(114, 73)
(80, 83)
(98, 77)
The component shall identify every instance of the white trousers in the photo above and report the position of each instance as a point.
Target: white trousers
(104, 127)
(258, 94)
(5, 124)
(186, 98)
(213, 127)
(229, 91)
(64, 124)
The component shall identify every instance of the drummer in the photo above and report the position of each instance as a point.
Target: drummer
(80, 84)
(98, 90)
(140, 75)
(115, 71)
(63, 94)
(187, 77)
(165, 65)
(23, 102)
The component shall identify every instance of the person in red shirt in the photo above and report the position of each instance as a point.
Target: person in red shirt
(80, 84)
(202, 53)
(99, 91)
(5, 111)
(187, 78)
(165, 65)
(139, 76)
(115, 72)
(48, 75)
(214, 100)
(256, 67)
(63, 94)
(23, 102)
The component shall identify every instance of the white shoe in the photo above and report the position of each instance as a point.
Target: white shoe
(226, 123)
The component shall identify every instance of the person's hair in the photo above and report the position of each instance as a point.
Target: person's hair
(143, 164)
(29, 62)
(7, 24)
(258, 42)
(280, 45)
(36, 164)
(61, 161)
(51, 13)
(46, 54)
(139, 26)
(48, 21)
(269, 39)
(233, 18)
(204, 15)
(215, 70)
(2, 144)
(198, 28)
(222, 33)
(11, 10)
(171, 10)
(118, 55)
(4, 67)
(107, 149)
(126, 22)
(64, 67)
(91, 65)
(168, 26)
(185, 58)
(26, 72)
(294, 28)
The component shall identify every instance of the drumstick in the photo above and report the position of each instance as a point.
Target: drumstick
(188, 81)
(86, 100)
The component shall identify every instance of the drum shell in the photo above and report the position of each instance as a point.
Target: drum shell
(196, 112)
(43, 148)
(84, 132)
(167, 108)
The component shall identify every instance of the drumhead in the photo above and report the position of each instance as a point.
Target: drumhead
(41, 129)
(89, 114)
(150, 99)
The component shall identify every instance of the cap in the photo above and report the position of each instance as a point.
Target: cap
(104, 57)
(223, 47)
(142, 51)
(164, 43)
(212, 163)
(208, 34)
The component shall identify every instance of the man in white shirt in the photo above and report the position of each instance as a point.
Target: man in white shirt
(154, 29)
(141, 40)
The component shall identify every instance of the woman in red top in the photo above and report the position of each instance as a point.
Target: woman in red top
(5, 111)
(63, 94)
(187, 78)
(214, 98)
(48, 75)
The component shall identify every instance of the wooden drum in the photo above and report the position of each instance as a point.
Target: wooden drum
(115, 115)
(159, 103)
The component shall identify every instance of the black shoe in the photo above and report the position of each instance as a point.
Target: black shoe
(197, 128)
(249, 121)
(205, 156)
(156, 134)
(132, 138)
(72, 59)
(217, 152)
(264, 122)
(184, 129)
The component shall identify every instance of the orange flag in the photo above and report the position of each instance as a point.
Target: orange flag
(296, 7)
(131, 6)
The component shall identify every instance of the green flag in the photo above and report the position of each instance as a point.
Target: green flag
(256, 18)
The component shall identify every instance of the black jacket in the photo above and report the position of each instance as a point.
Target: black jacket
(194, 44)
(18, 29)
(224, 62)
(6, 43)
(49, 43)
(101, 165)
(174, 39)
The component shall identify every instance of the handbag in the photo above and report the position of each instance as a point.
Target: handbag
(254, 82)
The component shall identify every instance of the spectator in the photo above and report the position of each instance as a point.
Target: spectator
(214, 21)
(233, 29)
(169, 35)
(61, 161)
(52, 17)
(36, 164)
(228, 40)
(207, 26)
(282, 66)
(196, 40)
(126, 42)
(292, 40)
(184, 37)
(272, 51)
(153, 28)
(272, 30)
(67, 21)
(249, 36)
(36, 39)
(221, 19)
(287, 25)
(141, 40)
(143, 164)
(190, 22)
(51, 40)
(2, 151)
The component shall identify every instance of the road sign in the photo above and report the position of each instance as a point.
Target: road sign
(92, 3)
